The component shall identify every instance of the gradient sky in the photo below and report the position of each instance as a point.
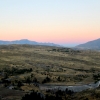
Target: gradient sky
(67, 22)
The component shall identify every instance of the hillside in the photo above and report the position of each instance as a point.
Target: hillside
(25, 67)
(25, 41)
(94, 45)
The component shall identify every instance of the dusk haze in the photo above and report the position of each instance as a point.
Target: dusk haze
(66, 22)
(49, 49)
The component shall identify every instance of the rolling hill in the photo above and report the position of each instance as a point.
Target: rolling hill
(26, 41)
(93, 45)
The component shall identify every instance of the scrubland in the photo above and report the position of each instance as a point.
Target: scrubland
(23, 66)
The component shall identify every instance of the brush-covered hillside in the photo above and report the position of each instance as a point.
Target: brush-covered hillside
(24, 67)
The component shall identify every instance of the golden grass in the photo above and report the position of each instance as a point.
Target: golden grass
(44, 59)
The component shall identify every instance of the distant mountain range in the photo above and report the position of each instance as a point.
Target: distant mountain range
(93, 45)
(26, 41)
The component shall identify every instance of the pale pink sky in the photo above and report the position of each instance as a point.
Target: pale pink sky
(57, 21)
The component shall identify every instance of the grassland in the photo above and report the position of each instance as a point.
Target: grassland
(48, 65)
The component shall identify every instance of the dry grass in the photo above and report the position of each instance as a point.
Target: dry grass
(72, 66)
(42, 59)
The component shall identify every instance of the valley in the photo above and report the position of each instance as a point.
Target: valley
(23, 67)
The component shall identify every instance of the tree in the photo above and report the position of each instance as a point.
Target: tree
(19, 84)
(59, 79)
(33, 96)
(47, 79)
(28, 80)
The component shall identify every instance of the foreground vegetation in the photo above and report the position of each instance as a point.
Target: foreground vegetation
(23, 67)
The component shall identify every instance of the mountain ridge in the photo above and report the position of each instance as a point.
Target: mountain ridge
(26, 41)
(93, 44)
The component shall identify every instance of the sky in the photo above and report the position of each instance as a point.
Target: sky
(67, 22)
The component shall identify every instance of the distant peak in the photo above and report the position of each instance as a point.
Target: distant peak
(24, 40)
(93, 44)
